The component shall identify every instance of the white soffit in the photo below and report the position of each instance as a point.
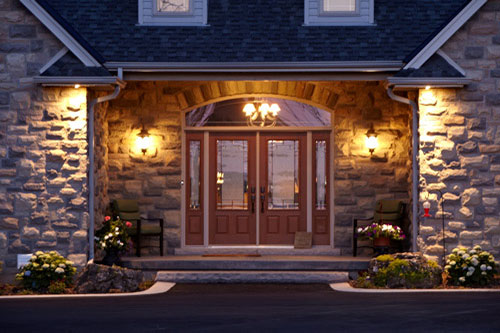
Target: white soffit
(442, 37)
(50, 23)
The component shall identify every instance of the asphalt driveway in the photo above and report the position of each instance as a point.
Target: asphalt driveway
(256, 308)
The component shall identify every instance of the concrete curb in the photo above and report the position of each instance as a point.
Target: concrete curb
(158, 288)
(346, 288)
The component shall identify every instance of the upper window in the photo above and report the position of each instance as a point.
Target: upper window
(173, 6)
(339, 12)
(173, 12)
(339, 6)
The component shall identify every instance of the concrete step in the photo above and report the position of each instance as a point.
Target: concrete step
(262, 250)
(251, 277)
(264, 263)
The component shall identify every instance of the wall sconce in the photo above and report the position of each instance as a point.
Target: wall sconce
(144, 141)
(371, 140)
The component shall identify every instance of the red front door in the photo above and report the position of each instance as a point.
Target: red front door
(282, 187)
(232, 181)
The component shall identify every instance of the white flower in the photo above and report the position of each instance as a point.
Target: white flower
(33, 258)
(461, 253)
(39, 253)
(59, 270)
(471, 269)
(360, 230)
(475, 262)
(106, 237)
(375, 269)
(483, 267)
(472, 251)
(461, 279)
(447, 267)
(465, 256)
(27, 273)
(483, 273)
(489, 268)
(62, 265)
(469, 273)
(116, 229)
(453, 263)
(45, 266)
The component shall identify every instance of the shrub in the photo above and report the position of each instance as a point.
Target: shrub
(113, 235)
(404, 270)
(473, 267)
(57, 287)
(44, 269)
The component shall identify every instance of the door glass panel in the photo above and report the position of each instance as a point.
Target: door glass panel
(232, 175)
(283, 175)
(321, 175)
(194, 175)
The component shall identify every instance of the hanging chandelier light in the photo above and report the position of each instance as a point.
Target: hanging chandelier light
(261, 114)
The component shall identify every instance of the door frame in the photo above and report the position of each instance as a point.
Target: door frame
(205, 187)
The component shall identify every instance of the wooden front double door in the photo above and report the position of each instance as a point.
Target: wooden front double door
(257, 188)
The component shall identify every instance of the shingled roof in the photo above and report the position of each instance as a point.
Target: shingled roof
(252, 31)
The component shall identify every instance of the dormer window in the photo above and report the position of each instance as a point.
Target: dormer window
(173, 12)
(173, 6)
(339, 12)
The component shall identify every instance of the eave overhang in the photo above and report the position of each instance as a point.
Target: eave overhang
(420, 83)
(63, 81)
(260, 67)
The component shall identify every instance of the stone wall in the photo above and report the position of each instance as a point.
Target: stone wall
(460, 143)
(43, 148)
(154, 178)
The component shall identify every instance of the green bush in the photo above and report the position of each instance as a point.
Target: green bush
(470, 267)
(388, 271)
(44, 269)
(57, 287)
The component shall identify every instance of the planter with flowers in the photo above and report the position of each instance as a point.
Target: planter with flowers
(114, 239)
(381, 234)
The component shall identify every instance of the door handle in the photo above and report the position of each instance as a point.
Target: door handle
(262, 198)
(253, 197)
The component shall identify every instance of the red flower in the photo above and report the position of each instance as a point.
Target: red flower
(107, 218)
(128, 224)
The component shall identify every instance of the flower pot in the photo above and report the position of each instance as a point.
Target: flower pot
(112, 257)
(381, 242)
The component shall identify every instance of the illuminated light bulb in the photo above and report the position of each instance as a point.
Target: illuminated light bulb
(371, 143)
(275, 109)
(264, 110)
(427, 87)
(77, 86)
(143, 141)
(249, 109)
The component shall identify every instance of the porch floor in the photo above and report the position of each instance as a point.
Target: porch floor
(263, 263)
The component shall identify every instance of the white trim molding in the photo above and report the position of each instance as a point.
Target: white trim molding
(320, 66)
(54, 59)
(451, 62)
(51, 24)
(81, 80)
(444, 35)
(415, 82)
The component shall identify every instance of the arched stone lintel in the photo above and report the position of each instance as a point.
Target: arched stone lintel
(304, 92)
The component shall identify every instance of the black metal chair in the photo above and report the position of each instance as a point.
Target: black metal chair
(128, 210)
(387, 212)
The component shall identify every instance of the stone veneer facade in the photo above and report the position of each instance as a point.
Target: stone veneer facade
(43, 147)
(154, 179)
(460, 143)
(44, 164)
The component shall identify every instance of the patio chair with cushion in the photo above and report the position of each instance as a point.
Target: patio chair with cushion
(128, 210)
(386, 212)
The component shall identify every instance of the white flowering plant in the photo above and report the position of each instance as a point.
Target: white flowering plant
(45, 268)
(113, 235)
(376, 230)
(470, 267)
